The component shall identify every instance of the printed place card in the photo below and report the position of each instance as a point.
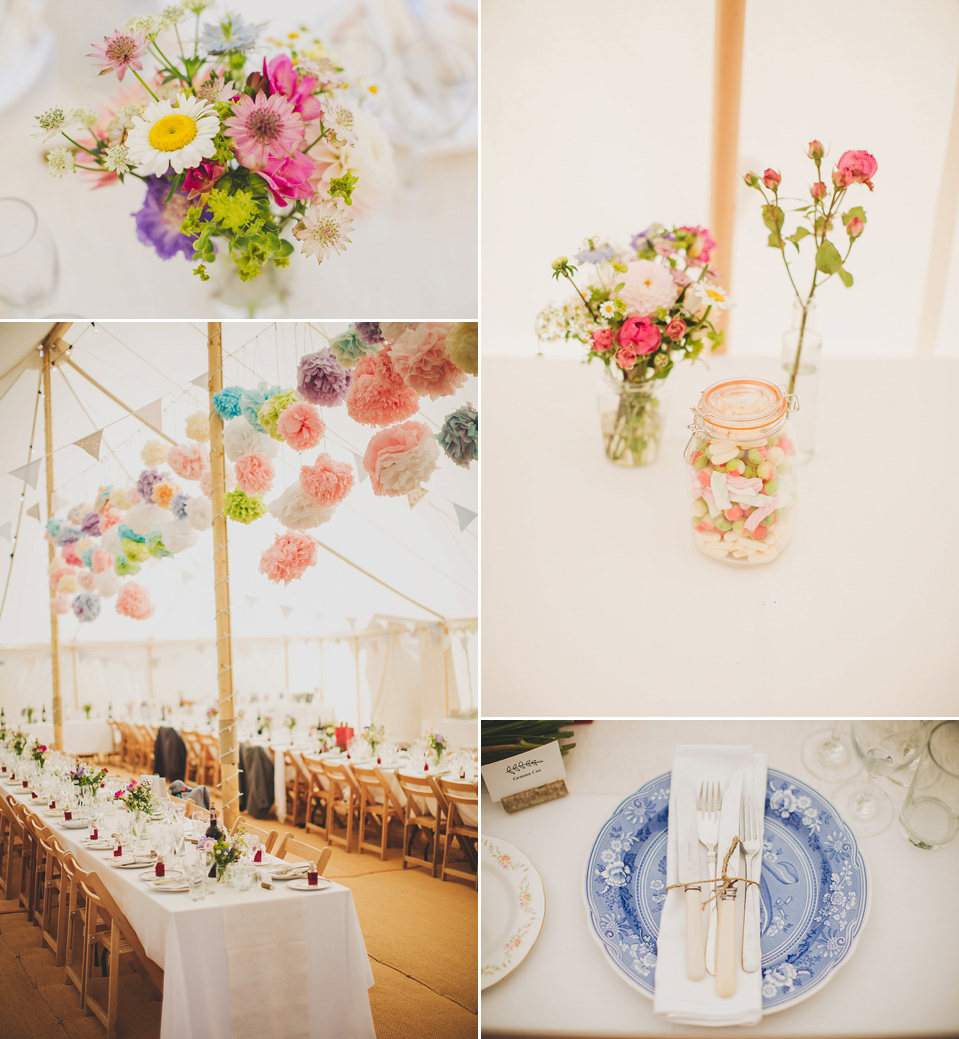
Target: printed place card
(528, 778)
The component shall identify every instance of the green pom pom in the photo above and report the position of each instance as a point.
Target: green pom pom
(348, 348)
(242, 507)
(135, 551)
(272, 409)
(124, 567)
(155, 545)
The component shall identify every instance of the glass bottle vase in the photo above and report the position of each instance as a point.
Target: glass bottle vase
(631, 419)
(803, 339)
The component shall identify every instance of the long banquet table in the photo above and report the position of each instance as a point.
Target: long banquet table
(83, 736)
(900, 979)
(253, 964)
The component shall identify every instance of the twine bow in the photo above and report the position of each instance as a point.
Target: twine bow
(724, 880)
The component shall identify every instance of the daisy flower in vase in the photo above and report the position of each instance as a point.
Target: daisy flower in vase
(180, 136)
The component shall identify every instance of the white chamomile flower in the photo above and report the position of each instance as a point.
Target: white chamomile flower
(179, 135)
(85, 115)
(117, 159)
(323, 229)
(61, 161)
(607, 309)
(705, 294)
(52, 122)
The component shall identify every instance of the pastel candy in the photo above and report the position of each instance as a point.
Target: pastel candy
(717, 483)
(760, 514)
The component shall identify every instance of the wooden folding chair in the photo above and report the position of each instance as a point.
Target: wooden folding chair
(377, 803)
(128, 745)
(108, 928)
(459, 795)
(193, 810)
(425, 811)
(298, 790)
(50, 882)
(194, 757)
(72, 918)
(290, 847)
(11, 849)
(317, 796)
(28, 860)
(343, 799)
(211, 759)
(267, 837)
(115, 757)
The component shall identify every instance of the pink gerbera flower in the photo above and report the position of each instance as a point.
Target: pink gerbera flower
(120, 52)
(263, 128)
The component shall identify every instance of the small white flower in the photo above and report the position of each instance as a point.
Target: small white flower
(117, 159)
(61, 161)
(172, 13)
(607, 309)
(127, 113)
(52, 122)
(705, 294)
(323, 229)
(145, 23)
(197, 6)
(85, 115)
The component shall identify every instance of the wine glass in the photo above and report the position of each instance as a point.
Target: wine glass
(828, 754)
(884, 748)
(29, 267)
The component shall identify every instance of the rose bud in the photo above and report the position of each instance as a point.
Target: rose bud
(771, 179)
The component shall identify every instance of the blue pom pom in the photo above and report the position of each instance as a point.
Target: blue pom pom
(253, 400)
(226, 403)
(131, 535)
(53, 526)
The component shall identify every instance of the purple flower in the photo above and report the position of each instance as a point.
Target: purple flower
(321, 379)
(596, 255)
(178, 505)
(91, 524)
(369, 332)
(158, 222)
(149, 478)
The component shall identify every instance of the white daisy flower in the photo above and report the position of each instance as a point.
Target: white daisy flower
(703, 294)
(179, 135)
(607, 309)
(323, 229)
(61, 161)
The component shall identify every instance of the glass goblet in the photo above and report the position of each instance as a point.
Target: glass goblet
(29, 268)
(828, 754)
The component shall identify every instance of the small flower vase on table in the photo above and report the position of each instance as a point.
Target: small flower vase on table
(631, 419)
(804, 342)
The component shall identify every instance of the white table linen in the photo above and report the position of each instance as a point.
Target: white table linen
(899, 980)
(79, 737)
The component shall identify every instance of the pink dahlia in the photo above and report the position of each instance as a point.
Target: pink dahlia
(298, 90)
(288, 557)
(263, 128)
(327, 481)
(119, 52)
(421, 360)
(378, 395)
(289, 177)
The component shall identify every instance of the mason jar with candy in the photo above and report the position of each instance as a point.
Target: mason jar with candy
(740, 465)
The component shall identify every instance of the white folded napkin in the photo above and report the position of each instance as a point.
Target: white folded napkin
(677, 997)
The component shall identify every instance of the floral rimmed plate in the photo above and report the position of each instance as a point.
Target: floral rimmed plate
(814, 892)
(513, 908)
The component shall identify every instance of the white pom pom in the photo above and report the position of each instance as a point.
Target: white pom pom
(76, 514)
(392, 330)
(108, 584)
(178, 535)
(82, 545)
(296, 510)
(141, 519)
(110, 541)
(240, 438)
(154, 453)
(199, 513)
(198, 426)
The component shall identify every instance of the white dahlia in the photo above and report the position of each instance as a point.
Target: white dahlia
(646, 287)
(178, 135)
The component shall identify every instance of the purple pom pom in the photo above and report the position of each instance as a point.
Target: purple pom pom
(91, 525)
(321, 379)
(149, 478)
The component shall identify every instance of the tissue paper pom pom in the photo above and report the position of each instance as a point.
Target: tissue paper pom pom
(68, 584)
(123, 567)
(301, 426)
(53, 526)
(459, 435)
(101, 561)
(240, 438)
(55, 564)
(420, 359)
(110, 517)
(392, 330)
(199, 511)
(378, 396)
(400, 458)
(86, 607)
(86, 558)
(226, 402)
(70, 555)
(82, 545)
(141, 519)
(252, 400)
(135, 551)
(123, 498)
(129, 534)
(243, 507)
(178, 505)
(348, 348)
(76, 514)
(146, 481)
(108, 584)
(57, 575)
(86, 580)
(134, 601)
(178, 535)
(206, 481)
(254, 474)
(155, 546)
(154, 453)
(110, 541)
(163, 494)
(68, 535)
(272, 409)
(288, 557)
(59, 605)
(462, 346)
(369, 332)
(188, 461)
(327, 481)
(297, 510)
(198, 426)
(321, 379)
(91, 524)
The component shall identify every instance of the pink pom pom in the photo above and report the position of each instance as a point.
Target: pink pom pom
(327, 482)
(288, 557)
(300, 426)
(378, 395)
(101, 560)
(133, 601)
(421, 360)
(400, 458)
(59, 605)
(254, 474)
(206, 482)
(188, 461)
(70, 556)
(57, 574)
(86, 581)
(110, 517)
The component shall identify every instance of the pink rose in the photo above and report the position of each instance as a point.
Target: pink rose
(771, 179)
(602, 340)
(698, 251)
(859, 166)
(818, 189)
(289, 177)
(816, 151)
(841, 178)
(676, 329)
(854, 227)
(626, 358)
(639, 334)
(202, 178)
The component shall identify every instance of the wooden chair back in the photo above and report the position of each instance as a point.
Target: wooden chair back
(343, 798)
(297, 789)
(424, 812)
(459, 795)
(317, 794)
(290, 847)
(193, 810)
(377, 802)
(73, 915)
(267, 837)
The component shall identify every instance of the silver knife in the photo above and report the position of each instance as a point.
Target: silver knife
(726, 958)
(689, 869)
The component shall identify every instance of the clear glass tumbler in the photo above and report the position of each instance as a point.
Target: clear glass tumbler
(930, 813)
(29, 267)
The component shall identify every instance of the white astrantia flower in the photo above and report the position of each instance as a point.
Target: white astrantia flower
(323, 229)
(150, 24)
(647, 286)
(85, 115)
(52, 122)
(127, 113)
(179, 135)
(117, 159)
(61, 161)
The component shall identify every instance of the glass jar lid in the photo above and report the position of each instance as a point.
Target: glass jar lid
(743, 409)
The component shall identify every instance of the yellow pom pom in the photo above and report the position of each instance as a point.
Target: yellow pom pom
(154, 453)
(198, 426)
(462, 346)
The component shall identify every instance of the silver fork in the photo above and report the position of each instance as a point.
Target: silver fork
(752, 843)
(707, 818)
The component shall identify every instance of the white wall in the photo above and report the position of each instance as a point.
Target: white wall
(597, 121)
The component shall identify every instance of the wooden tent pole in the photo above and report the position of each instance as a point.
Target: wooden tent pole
(48, 347)
(727, 80)
(229, 756)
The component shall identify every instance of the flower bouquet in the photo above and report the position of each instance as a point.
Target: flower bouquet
(290, 722)
(234, 154)
(641, 310)
(137, 796)
(18, 742)
(326, 736)
(436, 743)
(39, 753)
(85, 777)
(374, 736)
(225, 850)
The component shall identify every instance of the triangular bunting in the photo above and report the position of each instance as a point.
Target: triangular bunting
(186, 577)
(287, 610)
(203, 381)
(152, 414)
(57, 502)
(5, 532)
(252, 600)
(29, 472)
(34, 511)
(352, 622)
(464, 515)
(91, 444)
(416, 495)
(360, 468)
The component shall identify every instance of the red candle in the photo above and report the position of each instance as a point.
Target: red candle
(33, 794)
(159, 868)
(426, 766)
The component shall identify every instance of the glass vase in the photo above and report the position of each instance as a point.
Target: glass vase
(631, 419)
(801, 355)
(263, 296)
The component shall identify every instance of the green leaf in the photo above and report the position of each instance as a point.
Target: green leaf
(828, 259)
(845, 276)
(798, 235)
(773, 217)
(775, 241)
(855, 211)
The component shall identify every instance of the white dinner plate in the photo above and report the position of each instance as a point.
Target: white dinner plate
(514, 905)
(139, 863)
(275, 871)
(75, 824)
(99, 845)
(174, 888)
(304, 885)
(52, 812)
(149, 874)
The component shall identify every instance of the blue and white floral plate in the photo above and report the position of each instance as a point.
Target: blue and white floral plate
(814, 892)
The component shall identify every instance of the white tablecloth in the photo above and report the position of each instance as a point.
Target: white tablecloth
(79, 737)
(593, 588)
(187, 939)
(900, 979)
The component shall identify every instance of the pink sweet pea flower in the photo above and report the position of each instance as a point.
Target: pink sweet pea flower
(201, 178)
(297, 90)
(602, 340)
(640, 335)
(289, 177)
(771, 179)
(854, 227)
(856, 167)
(818, 190)
(626, 358)
(676, 329)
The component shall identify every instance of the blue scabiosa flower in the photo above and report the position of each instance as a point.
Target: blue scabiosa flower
(232, 34)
